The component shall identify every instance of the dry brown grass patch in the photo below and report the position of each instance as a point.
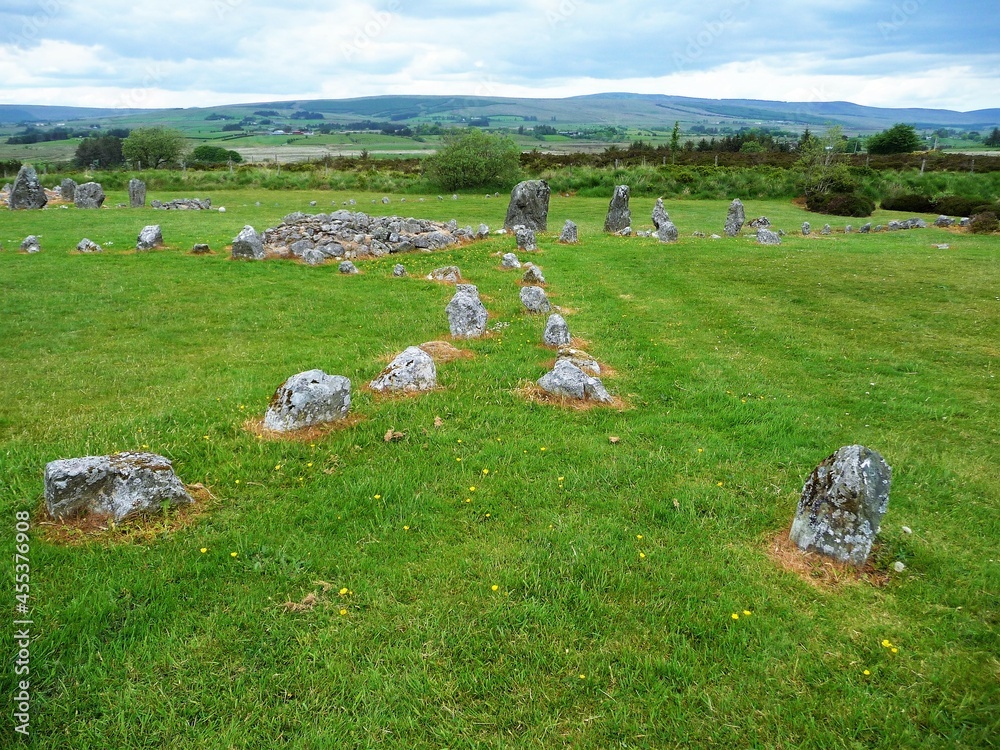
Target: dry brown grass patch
(820, 571)
(533, 392)
(256, 427)
(442, 351)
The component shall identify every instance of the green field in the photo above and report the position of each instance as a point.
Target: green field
(583, 594)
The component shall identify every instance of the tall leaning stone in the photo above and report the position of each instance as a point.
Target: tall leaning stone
(735, 218)
(136, 193)
(26, 192)
(67, 189)
(529, 206)
(89, 195)
(619, 215)
(842, 505)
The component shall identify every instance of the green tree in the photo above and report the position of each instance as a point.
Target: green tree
(101, 151)
(151, 148)
(207, 154)
(675, 140)
(472, 158)
(993, 139)
(899, 139)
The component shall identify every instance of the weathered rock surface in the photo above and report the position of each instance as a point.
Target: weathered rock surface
(667, 232)
(151, 236)
(534, 299)
(525, 239)
(866, 228)
(660, 215)
(580, 359)
(399, 270)
(411, 371)
(735, 218)
(806, 228)
(201, 249)
(88, 246)
(466, 314)
(346, 267)
(842, 505)
(119, 486)
(533, 275)
(570, 235)
(89, 195)
(248, 244)
(943, 221)
(31, 245)
(136, 193)
(27, 191)
(67, 189)
(569, 381)
(529, 206)
(619, 215)
(556, 331)
(184, 204)
(760, 221)
(826, 229)
(767, 237)
(509, 260)
(447, 274)
(307, 399)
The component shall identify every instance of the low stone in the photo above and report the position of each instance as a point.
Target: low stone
(735, 218)
(534, 299)
(300, 246)
(533, 275)
(667, 232)
(67, 189)
(906, 529)
(89, 195)
(893, 225)
(466, 314)
(136, 193)
(222, 209)
(556, 331)
(569, 381)
(700, 235)
(806, 228)
(619, 215)
(509, 260)
(411, 371)
(31, 244)
(313, 256)
(826, 229)
(570, 235)
(879, 228)
(581, 359)
(88, 246)
(185, 204)
(529, 206)
(848, 229)
(767, 237)
(346, 267)
(385, 200)
(482, 232)
(454, 197)
(716, 237)
(201, 249)
(26, 192)
(308, 399)
(866, 228)
(943, 221)
(525, 239)
(150, 237)
(117, 486)
(626, 232)
(964, 221)
(448, 274)
(898, 566)
(248, 244)
(399, 270)
(760, 221)
(943, 246)
(842, 505)
(313, 203)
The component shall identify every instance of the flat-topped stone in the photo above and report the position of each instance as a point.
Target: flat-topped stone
(307, 399)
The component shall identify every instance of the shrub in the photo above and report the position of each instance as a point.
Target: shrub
(952, 205)
(840, 204)
(899, 139)
(207, 154)
(472, 159)
(984, 223)
(914, 203)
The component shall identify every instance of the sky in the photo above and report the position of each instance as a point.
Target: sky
(199, 53)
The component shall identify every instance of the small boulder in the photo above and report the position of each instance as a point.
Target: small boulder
(806, 228)
(826, 229)
(735, 218)
(533, 275)
(26, 192)
(534, 299)
(307, 399)
(569, 381)
(619, 215)
(529, 206)
(525, 239)
(943, 221)
(89, 195)
(767, 237)
(88, 246)
(411, 371)
(509, 260)
(313, 256)
(466, 314)
(136, 193)
(149, 237)
(842, 505)
(248, 244)
(385, 200)
(346, 267)
(570, 234)
(31, 245)
(556, 331)
(667, 232)
(866, 228)
(201, 249)
(399, 270)
(447, 274)
(118, 486)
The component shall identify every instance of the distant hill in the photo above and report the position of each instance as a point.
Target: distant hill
(619, 109)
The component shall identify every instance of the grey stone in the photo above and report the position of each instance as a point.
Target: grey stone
(848, 229)
(482, 232)
(26, 192)
(466, 314)
(411, 371)
(525, 239)
(826, 229)
(581, 359)
(534, 299)
(626, 232)
(699, 234)
(570, 234)
(313, 203)
(67, 189)
(533, 275)
(667, 232)
(660, 215)
(879, 228)
(735, 218)
(619, 215)
(964, 221)
(866, 228)
(767, 237)
(346, 267)
(806, 229)
(31, 244)
(893, 225)
(313, 256)
(529, 206)
(136, 193)
(399, 270)
(201, 249)
(248, 244)
(509, 260)
(307, 399)
(449, 274)
(88, 246)
(433, 240)
(454, 197)
(943, 221)
(185, 204)
(556, 331)
(150, 237)
(943, 246)
(89, 195)
(298, 248)
(385, 200)
(760, 221)
(842, 505)
(569, 381)
(118, 486)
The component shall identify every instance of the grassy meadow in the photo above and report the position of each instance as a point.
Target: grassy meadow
(509, 573)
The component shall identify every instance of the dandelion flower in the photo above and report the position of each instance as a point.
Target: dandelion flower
(583, 677)
(495, 587)
(544, 448)
(343, 591)
(487, 515)
(735, 616)
(719, 484)
(468, 499)
(485, 472)
(458, 459)
(233, 554)
(309, 465)
(747, 612)
(867, 673)
(561, 478)
(144, 445)
(205, 436)
(277, 467)
(237, 481)
(378, 497)
(460, 440)
(701, 450)
(406, 528)
(886, 643)
(642, 555)
(895, 650)
(472, 489)
(343, 612)
(638, 536)
(204, 550)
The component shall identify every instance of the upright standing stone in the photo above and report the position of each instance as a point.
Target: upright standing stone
(619, 215)
(667, 232)
(660, 215)
(842, 505)
(570, 234)
(806, 228)
(826, 229)
(248, 244)
(149, 237)
(466, 314)
(27, 191)
(735, 218)
(89, 195)
(67, 189)
(556, 331)
(533, 274)
(136, 193)
(534, 299)
(411, 371)
(307, 399)
(525, 239)
(529, 206)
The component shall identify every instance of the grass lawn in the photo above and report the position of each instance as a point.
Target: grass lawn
(506, 575)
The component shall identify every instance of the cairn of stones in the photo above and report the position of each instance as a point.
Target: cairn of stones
(619, 216)
(529, 206)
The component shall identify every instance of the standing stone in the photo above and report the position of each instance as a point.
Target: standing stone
(660, 215)
(27, 191)
(399, 270)
(767, 237)
(529, 206)
(67, 189)
(149, 237)
(619, 216)
(667, 232)
(866, 228)
(842, 505)
(307, 399)
(569, 381)
(848, 229)
(31, 245)
(509, 260)
(534, 299)
(525, 239)
(385, 200)
(533, 275)
(248, 244)
(411, 371)
(89, 195)
(826, 229)
(482, 232)
(556, 331)
(806, 228)
(570, 234)
(735, 218)
(136, 193)
(118, 486)
(466, 314)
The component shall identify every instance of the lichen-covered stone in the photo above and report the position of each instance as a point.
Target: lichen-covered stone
(735, 218)
(149, 237)
(411, 371)
(529, 206)
(767, 237)
(525, 239)
(67, 189)
(307, 399)
(89, 195)
(248, 244)
(569, 381)
(619, 215)
(534, 299)
(533, 275)
(27, 191)
(509, 260)
(556, 331)
(570, 234)
(447, 274)
(88, 246)
(347, 268)
(466, 314)
(136, 193)
(667, 232)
